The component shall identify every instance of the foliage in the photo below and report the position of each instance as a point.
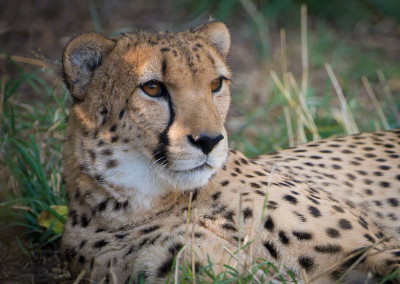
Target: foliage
(31, 133)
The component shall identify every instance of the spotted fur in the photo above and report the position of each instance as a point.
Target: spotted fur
(132, 164)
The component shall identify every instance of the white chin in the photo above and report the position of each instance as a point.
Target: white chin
(187, 180)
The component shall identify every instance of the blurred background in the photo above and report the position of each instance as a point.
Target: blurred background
(303, 70)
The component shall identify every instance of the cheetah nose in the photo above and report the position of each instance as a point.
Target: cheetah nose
(205, 142)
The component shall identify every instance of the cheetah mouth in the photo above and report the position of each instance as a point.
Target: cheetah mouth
(203, 166)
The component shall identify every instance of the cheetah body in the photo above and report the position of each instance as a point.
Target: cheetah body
(133, 169)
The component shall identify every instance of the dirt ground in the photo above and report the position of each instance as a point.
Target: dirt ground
(41, 28)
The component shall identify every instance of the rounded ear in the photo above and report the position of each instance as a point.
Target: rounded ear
(82, 55)
(217, 33)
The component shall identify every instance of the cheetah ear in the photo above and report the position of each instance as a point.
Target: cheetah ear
(218, 34)
(82, 55)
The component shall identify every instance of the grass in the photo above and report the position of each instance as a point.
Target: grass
(31, 135)
(295, 109)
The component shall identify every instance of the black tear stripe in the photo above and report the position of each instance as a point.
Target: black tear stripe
(164, 67)
(160, 153)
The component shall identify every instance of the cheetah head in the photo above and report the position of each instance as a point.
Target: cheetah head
(149, 109)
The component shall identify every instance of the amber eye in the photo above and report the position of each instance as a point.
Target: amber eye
(152, 88)
(216, 85)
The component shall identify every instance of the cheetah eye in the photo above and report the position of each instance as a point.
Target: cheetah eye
(216, 85)
(153, 88)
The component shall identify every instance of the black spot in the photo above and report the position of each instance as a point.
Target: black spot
(369, 192)
(290, 199)
(247, 213)
(165, 268)
(131, 250)
(316, 157)
(121, 114)
(328, 248)
(259, 192)
(104, 111)
(99, 178)
(224, 183)
(367, 181)
(369, 238)
(84, 221)
(314, 211)
(100, 244)
(272, 205)
(117, 206)
(302, 235)
(82, 244)
(271, 249)
(396, 253)
(198, 235)
(107, 152)
(102, 206)
(300, 216)
(143, 242)
(120, 236)
(150, 229)
(345, 224)
(394, 202)
(113, 128)
(313, 200)
(111, 163)
(125, 204)
(284, 239)
(165, 49)
(81, 259)
(385, 184)
(269, 224)
(363, 222)
(306, 262)
(229, 227)
(114, 139)
(338, 209)
(175, 248)
(216, 195)
(254, 185)
(229, 216)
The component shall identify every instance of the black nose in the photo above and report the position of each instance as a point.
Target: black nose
(205, 142)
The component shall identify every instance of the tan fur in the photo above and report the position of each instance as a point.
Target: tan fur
(119, 225)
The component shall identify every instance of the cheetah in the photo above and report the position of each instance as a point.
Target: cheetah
(145, 140)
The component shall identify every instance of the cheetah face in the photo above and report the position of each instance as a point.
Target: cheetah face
(151, 107)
